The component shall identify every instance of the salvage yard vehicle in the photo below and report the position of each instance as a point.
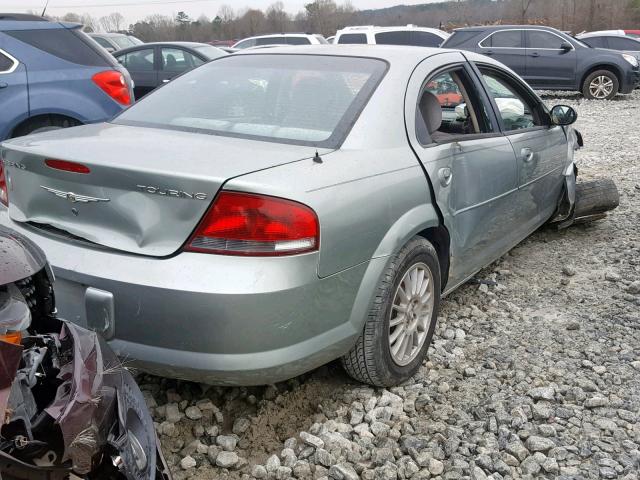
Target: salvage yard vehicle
(52, 75)
(269, 212)
(66, 403)
(622, 43)
(549, 59)
(410, 35)
(153, 64)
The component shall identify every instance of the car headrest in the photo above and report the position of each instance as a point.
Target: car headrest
(431, 111)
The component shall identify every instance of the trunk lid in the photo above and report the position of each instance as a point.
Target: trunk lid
(147, 188)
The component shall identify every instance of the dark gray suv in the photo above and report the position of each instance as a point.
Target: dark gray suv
(550, 59)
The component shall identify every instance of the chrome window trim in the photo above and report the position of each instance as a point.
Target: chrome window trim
(525, 30)
(15, 61)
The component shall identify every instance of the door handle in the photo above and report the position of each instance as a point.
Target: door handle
(446, 175)
(527, 154)
(3, 85)
(166, 80)
(535, 54)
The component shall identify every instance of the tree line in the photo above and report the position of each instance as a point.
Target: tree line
(327, 16)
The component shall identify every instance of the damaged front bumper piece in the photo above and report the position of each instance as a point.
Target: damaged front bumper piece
(68, 408)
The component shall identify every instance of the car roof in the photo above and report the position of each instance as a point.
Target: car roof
(491, 28)
(375, 28)
(24, 21)
(288, 34)
(605, 33)
(108, 34)
(390, 53)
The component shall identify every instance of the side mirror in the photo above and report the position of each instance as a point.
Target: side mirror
(563, 115)
(566, 46)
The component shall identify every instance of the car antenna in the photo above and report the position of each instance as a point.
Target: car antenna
(317, 158)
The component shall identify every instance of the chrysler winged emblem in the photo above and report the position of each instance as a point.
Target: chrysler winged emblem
(74, 197)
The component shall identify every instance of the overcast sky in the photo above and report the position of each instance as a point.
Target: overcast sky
(137, 9)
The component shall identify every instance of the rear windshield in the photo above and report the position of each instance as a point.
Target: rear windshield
(71, 45)
(459, 37)
(299, 99)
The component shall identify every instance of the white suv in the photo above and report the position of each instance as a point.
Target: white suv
(409, 35)
(281, 39)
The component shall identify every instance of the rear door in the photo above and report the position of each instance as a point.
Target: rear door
(540, 149)
(142, 67)
(505, 46)
(14, 97)
(471, 165)
(175, 61)
(547, 64)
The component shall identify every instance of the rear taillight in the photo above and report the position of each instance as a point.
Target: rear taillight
(256, 225)
(113, 84)
(4, 191)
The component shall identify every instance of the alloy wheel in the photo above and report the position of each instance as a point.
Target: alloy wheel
(410, 314)
(601, 87)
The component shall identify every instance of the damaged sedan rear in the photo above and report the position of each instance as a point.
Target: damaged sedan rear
(67, 406)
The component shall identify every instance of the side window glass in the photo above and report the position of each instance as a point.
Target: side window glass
(6, 63)
(298, 41)
(597, 42)
(247, 43)
(177, 60)
(504, 39)
(353, 38)
(619, 43)
(138, 61)
(102, 42)
(401, 37)
(540, 39)
(426, 39)
(449, 106)
(515, 110)
(270, 41)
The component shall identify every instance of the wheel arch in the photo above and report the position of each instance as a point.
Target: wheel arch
(41, 116)
(601, 66)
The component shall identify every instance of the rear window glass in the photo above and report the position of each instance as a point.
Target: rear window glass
(353, 38)
(621, 43)
(596, 42)
(70, 45)
(298, 99)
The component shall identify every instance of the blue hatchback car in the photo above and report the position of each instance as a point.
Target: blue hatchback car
(52, 75)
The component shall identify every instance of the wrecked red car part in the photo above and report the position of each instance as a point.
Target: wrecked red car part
(67, 405)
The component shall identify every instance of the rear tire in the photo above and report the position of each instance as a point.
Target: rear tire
(44, 123)
(372, 360)
(601, 85)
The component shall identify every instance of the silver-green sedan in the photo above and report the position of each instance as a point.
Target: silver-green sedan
(269, 212)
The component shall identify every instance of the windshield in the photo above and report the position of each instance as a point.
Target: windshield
(300, 99)
(210, 52)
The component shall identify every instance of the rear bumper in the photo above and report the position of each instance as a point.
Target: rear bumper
(209, 318)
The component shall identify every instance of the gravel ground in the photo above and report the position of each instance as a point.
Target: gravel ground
(534, 371)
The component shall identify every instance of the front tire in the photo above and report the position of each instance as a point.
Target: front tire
(601, 85)
(401, 321)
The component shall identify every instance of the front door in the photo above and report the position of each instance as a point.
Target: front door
(175, 61)
(540, 149)
(548, 64)
(506, 46)
(141, 65)
(14, 97)
(471, 166)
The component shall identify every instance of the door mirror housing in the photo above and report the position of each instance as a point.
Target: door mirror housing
(566, 46)
(563, 115)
